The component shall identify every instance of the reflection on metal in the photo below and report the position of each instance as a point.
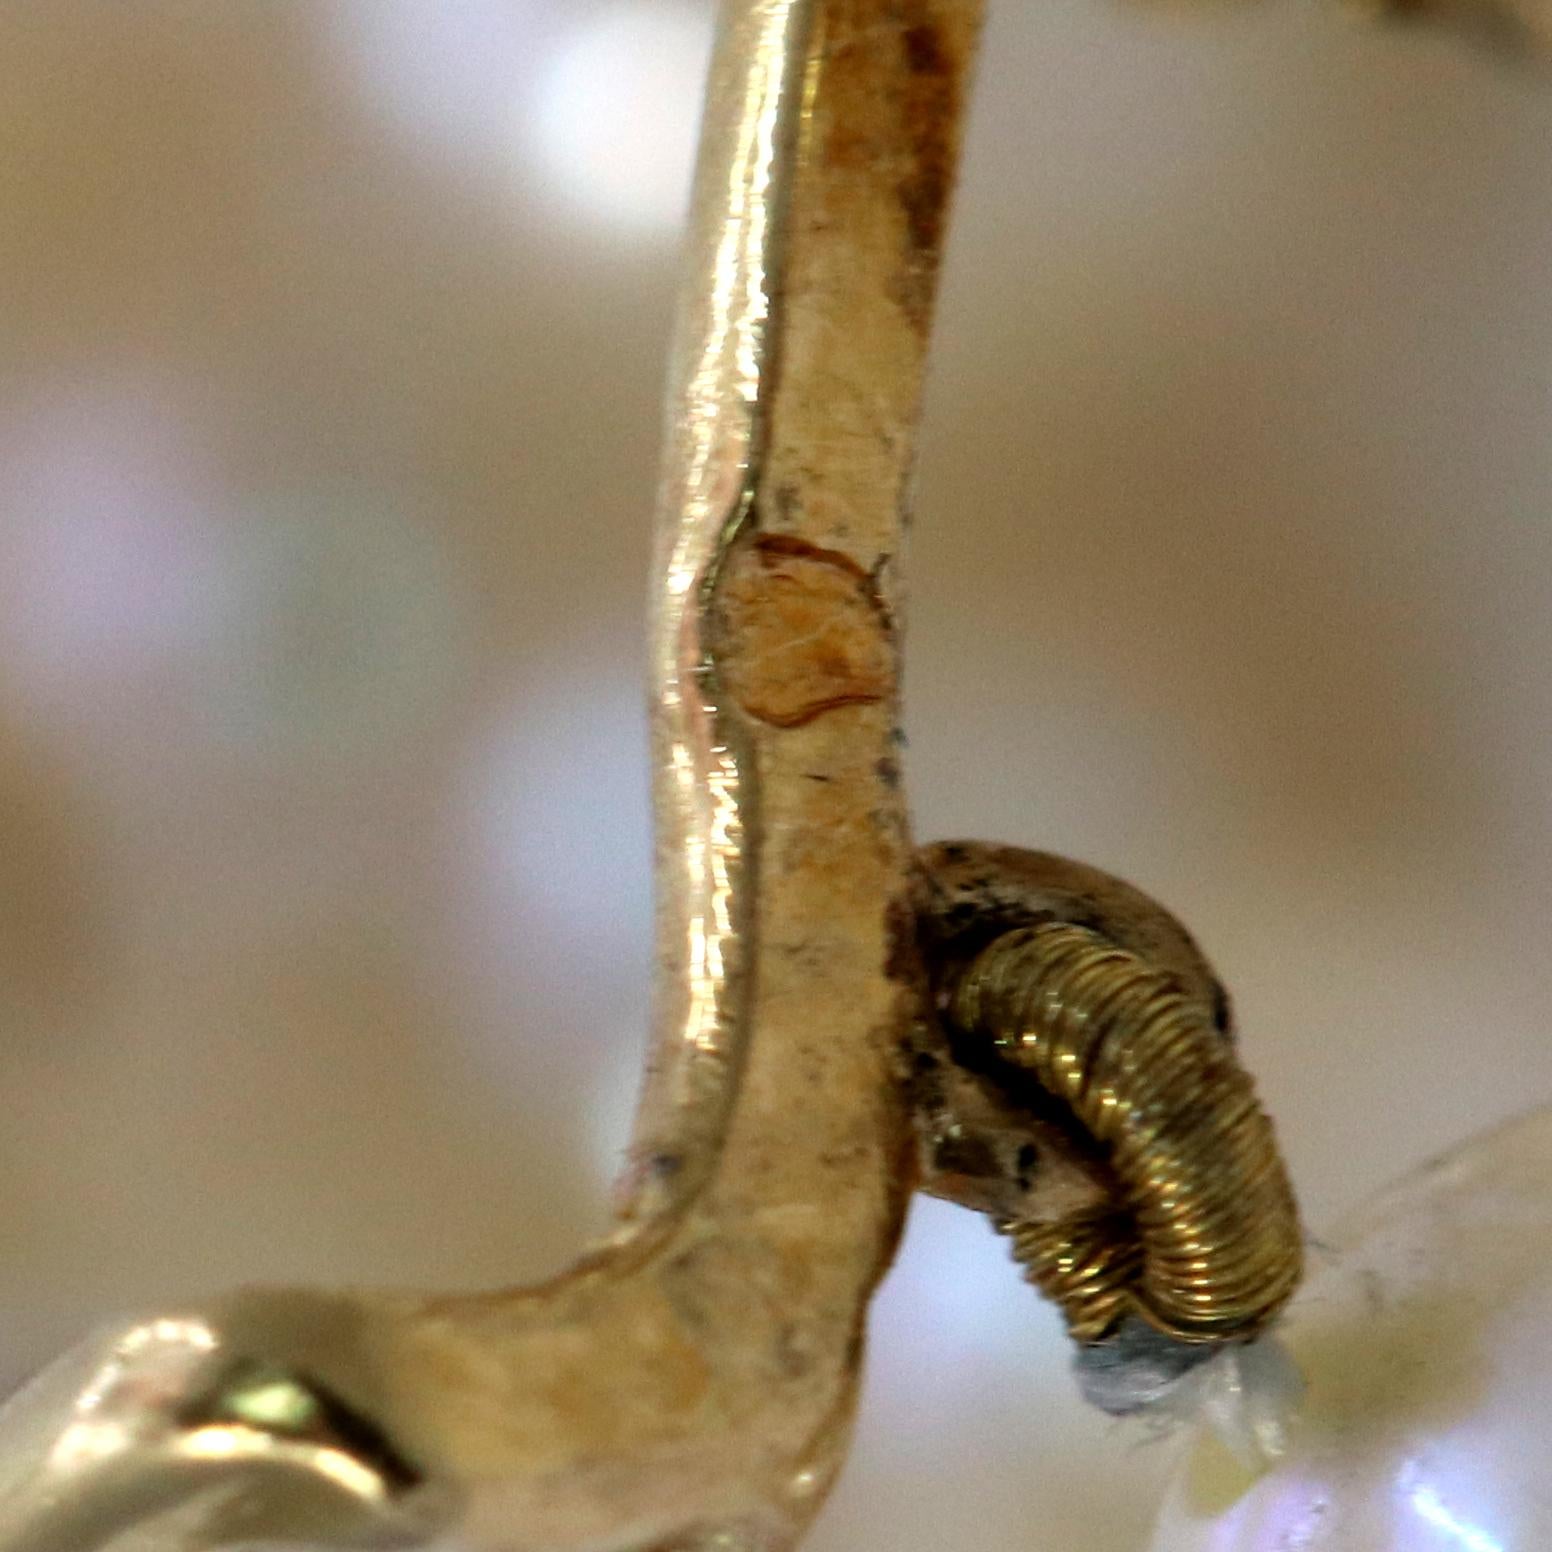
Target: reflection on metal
(139, 1423)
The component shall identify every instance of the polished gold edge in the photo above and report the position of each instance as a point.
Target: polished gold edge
(705, 776)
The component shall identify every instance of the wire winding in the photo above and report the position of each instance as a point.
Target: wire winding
(1203, 1240)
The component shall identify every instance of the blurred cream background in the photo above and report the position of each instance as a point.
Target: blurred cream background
(331, 338)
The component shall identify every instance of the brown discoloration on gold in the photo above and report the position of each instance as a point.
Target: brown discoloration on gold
(975, 890)
(876, 163)
(902, 92)
(903, 86)
(932, 94)
(803, 632)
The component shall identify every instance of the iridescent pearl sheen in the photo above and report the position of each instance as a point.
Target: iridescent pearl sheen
(1426, 1343)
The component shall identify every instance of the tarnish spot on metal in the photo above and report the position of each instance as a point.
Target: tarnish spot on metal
(932, 91)
(932, 95)
(896, 97)
(802, 632)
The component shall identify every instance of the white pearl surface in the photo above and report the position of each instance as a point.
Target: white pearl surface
(1426, 1342)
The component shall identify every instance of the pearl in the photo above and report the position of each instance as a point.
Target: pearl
(1426, 1344)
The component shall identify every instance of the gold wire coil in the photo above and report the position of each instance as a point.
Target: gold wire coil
(1203, 1241)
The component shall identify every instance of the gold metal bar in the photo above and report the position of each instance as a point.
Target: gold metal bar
(691, 1382)
(832, 134)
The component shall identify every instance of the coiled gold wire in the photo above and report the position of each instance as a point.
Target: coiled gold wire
(1203, 1241)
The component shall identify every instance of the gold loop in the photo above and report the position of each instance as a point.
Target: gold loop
(1203, 1241)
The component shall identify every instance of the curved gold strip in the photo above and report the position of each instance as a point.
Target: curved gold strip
(704, 781)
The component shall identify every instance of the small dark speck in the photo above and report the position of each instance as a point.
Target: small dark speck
(1222, 1015)
(1373, 1287)
(924, 51)
(900, 924)
(790, 1356)
(665, 1165)
(815, 776)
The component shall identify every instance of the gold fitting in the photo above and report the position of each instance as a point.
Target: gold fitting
(1202, 1240)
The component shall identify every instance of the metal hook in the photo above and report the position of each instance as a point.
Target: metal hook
(691, 1381)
